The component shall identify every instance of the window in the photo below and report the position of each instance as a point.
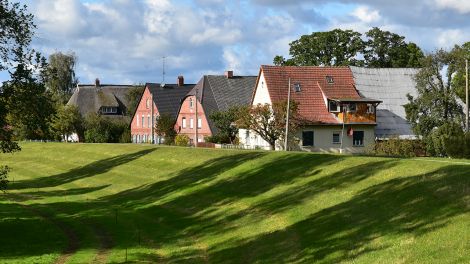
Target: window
(297, 87)
(329, 79)
(191, 123)
(147, 104)
(307, 138)
(143, 121)
(149, 122)
(183, 122)
(352, 107)
(358, 138)
(336, 137)
(108, 110)
(137, 121)
(199, 123)
(191, 103)
(334, 106)
(370, 108)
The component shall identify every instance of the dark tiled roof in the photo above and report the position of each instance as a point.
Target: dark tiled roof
(218, 93)
(313, 82)
(90, 98)
(168, 98)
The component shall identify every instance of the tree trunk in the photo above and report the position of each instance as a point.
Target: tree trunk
(272, 145)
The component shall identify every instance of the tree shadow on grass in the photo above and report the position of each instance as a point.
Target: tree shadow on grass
(89, 170)
(26, 196)
(410, 205)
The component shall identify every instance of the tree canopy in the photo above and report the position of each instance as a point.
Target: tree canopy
(436, 104)
(60, 77)
(376, 48)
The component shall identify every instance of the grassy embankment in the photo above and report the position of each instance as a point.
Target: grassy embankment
(78, 203)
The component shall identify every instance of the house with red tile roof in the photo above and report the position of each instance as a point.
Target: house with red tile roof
(336, 118)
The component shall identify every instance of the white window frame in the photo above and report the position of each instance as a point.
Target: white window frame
(199, 123)
(143, 121)
(183, 122)
(370, 108)
(191, 103)
(338, 108)
(191, 123)
(149, 121)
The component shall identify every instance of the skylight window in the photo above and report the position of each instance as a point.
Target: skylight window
(297, 87)
(329, 79)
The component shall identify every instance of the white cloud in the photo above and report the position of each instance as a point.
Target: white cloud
(448, 38)
(366, 14)
(461, 6)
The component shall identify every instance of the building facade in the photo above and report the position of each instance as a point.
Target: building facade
(335, 117)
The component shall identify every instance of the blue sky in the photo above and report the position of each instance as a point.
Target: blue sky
(122, 41)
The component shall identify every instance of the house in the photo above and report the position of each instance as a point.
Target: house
(390, 85)
(214, 93)
(104, 99)
(336, 117)
(156, 100)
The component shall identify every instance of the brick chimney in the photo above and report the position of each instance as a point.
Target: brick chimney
(180, 80)
(229, 74)
(97, 82)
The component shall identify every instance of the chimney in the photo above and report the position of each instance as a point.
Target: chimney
(180, 80)
(229, 74)
(97, 83)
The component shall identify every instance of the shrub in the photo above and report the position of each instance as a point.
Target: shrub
(99, 129)
(396, 147)
(181, 140)
(458, 146)
(436, 141)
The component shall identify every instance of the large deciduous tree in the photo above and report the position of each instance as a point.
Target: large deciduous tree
(61, 78)
(436, 104)
(346, 47)
(385, 49)
(458, 81)
(336, 47)
(269, 121)
(67, 121)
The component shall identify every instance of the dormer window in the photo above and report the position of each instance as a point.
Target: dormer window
(333, 107)
(297, 87)
(108, 110)
(329, 79)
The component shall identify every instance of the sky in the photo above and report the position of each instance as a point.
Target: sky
(123, 41)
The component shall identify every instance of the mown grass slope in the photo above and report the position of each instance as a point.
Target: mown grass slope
(90, 203)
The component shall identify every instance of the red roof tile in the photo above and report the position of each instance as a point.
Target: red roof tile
(313, 83)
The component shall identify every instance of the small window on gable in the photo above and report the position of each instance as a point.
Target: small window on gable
(329, 79)
(297, 87)
(334, 107)
(148, 103)
(191, 103)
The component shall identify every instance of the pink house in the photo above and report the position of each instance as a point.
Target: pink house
(212, 93)
(156, 99)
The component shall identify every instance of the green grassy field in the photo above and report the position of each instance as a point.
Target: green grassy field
(79, 203)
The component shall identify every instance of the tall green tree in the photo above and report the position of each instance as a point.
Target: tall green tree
(346, 47)
(385, 49)
(336, 47)
(60, 75)
(436, 102)
(458, 81)
(16, 31)
(133, 97)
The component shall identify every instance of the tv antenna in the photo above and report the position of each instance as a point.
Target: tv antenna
(163, 70)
